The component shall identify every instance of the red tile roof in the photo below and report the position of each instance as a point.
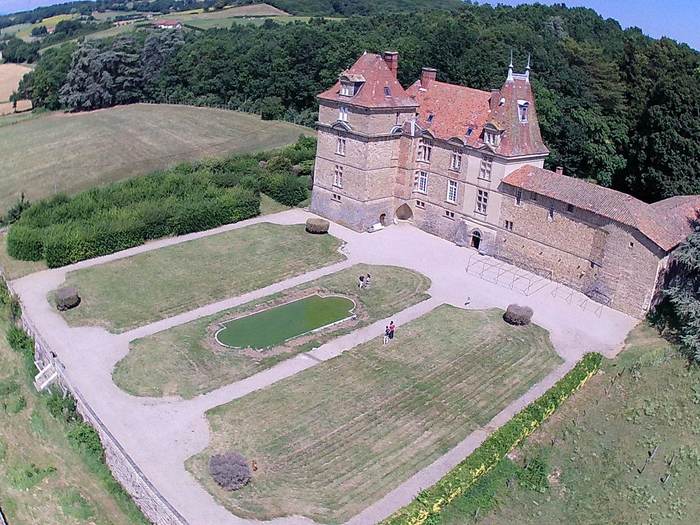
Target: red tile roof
(679, 214)
(371, 94)
(518, 138)
(649, 219)
(454, 110)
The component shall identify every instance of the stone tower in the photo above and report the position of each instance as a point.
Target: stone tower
(360, 130)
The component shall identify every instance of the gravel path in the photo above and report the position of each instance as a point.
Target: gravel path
(160, 434)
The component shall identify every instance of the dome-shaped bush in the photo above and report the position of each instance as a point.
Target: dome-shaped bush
(230, 470)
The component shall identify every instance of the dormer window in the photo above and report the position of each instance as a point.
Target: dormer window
(491, 138)
(430, 118)
(387, 91)
(470, 131)
(523, 106)
(347, 89)
(425, 151)
(343, 113)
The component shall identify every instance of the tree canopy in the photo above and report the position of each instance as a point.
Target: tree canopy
(615, 106)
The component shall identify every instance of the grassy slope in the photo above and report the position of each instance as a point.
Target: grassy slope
(68, 153)
(333, 439)
(69, 496)
(178, 361)
(603, 435)
(179, 278)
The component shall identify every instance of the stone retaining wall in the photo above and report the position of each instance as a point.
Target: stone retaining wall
(151, 502)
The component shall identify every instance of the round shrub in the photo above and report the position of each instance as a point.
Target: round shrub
(317, 225)
(230, 470)
(67, 298)
(518, 315)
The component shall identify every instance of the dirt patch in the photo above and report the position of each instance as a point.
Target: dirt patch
(292, 345)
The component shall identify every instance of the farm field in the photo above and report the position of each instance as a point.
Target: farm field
(646, 397)
(10, 75)
(332, 439)
(24, 31)
(68, 153)
(179, 278)
(63, 490)
(182, 361)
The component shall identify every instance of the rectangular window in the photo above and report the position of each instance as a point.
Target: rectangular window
(509, 226)
(570, 208)
(550, 213)
(338, 176)
(451, 191)
(335, 197)
(485, 168)
(449, 214)
(533, 195)
(343, 114)
(482, 201)
(425, 151)
(518, 197)
(456, 162)
(422, 185)
(387, 91)
(340, 146)
(420, 204)
(347, 90)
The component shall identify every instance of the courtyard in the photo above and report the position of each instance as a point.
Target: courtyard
(342, 428)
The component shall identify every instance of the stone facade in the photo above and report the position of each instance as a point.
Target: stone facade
(448, 159)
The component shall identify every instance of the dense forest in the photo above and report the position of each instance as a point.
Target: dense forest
(615, 106)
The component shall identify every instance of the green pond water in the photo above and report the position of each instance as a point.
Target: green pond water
(274, 326)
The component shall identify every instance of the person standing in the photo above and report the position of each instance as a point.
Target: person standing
(392, 327)
(386, 335)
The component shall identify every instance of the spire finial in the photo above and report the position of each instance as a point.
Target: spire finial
(527, 69)
(510, 68)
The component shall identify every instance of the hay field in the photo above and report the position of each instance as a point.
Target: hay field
(68, 153)
(10, 75)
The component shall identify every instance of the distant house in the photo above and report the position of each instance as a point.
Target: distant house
(167, 24)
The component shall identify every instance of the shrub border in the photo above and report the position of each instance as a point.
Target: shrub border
(430, 502)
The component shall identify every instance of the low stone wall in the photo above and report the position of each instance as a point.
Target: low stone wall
(151, 502)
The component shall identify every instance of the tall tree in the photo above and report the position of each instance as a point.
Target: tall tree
(681, 307)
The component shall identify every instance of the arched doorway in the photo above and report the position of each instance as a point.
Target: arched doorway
(382, 219)
(404, 212)
(476, 239)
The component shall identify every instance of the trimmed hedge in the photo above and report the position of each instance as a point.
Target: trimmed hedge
(187, 198)
(430, 502)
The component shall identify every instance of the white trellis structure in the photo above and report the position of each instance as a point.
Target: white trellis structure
(506, 275)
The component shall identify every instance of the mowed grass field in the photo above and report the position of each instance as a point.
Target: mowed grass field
(180, 361)
(71, 152)
(42, 479)
(333, 439)
(10, 75)
(154, 285)
(596, 444)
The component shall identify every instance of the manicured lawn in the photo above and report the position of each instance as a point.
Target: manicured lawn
(181, 361)
(333, 439)
(647, 397)
(68, 153)
(42, 479)
(138, 290)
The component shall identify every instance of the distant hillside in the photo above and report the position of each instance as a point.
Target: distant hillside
(358, 7)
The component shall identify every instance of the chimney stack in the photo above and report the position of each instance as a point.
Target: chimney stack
(560, 170)
(427, 75)
(392, 60)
